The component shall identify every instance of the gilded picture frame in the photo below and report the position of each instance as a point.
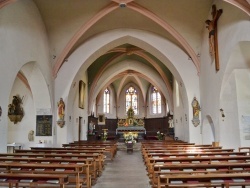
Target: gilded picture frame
(82, 86)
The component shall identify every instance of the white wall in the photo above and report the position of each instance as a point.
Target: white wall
(23, 39)
(233, 27)
(243, 106)
(208, 130)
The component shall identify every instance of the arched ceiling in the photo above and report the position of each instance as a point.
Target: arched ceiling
(71, 23)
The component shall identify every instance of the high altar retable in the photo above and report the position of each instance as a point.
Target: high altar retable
(130, 124)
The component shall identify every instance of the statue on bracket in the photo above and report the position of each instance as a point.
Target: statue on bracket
(15, 110)
(196, 112)
(60, 112)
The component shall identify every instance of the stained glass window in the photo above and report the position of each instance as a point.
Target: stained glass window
(156, 101)
(132, 99)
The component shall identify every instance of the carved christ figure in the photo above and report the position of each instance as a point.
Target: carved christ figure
(213, 41)
(210, 27)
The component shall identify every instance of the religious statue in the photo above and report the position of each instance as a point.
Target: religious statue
(130, 113)
(15, 110)
(91, 127)
(196, 111)
(60, 111)
(171, 122)
(213, 41)
(61, 108)
(31, 136)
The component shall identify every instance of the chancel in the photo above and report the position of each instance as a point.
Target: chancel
(131, 124)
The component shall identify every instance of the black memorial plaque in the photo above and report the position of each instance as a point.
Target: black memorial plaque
(44, 125)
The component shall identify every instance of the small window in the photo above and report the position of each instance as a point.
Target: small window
(106, 101)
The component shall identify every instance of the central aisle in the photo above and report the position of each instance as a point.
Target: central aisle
(126, 171)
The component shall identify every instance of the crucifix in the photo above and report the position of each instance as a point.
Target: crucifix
(213, 40)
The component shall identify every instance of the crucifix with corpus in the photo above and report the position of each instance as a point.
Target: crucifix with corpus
(213, 40)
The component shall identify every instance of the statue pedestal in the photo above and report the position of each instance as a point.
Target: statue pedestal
(61, 123)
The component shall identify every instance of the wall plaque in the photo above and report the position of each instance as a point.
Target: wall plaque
(44, 125)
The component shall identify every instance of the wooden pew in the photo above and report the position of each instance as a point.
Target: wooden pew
(109, 148)
(180, 169)
(245, 149)
(187, 151)
(165, 141)
(178, 145)
(88, 174)
(98, 158)
(191, 155)
(16, 180)
(196, 160)
(205, 180)
(100, 151)
(73, 171)
(187, 148)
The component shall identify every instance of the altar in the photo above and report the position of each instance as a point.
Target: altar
(131, 129)
(130, 124)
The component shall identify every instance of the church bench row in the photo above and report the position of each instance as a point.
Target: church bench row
(205, 180)
(87, 143)
(190, 148)
(89, 172)
(160, 143)
(166, 141)
(215, 159)
(106, 143)
(170, 161)
(146, 156)
(111, 148)
(245, 149)
(106, 151)
(97, 162)
(197, 160)
(187, 151)
(177, 150)
(182, 169)
(94, 141)
(154, 172)
(194, 154)
(97, 155)
(33, 180)
(73, 171)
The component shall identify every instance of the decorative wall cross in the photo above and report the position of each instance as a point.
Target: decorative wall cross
(213, 38)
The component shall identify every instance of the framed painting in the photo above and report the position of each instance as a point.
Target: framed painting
(82, 86)
(101, 119)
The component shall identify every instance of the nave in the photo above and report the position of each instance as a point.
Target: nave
(126, 170)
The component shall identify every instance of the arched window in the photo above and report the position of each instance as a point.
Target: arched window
(106, 101)
(156, 101)
(131, 99)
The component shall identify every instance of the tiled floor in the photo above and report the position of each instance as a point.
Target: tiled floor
(127, 170)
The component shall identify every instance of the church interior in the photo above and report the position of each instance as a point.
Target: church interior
(122, 71)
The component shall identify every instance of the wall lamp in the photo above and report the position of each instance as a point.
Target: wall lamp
(222, 114)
